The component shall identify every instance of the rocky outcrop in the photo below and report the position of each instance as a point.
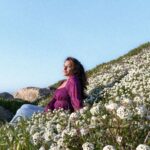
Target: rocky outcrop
(6, 95)
(5, 114)
(32, 93)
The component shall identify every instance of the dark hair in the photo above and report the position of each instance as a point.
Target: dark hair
(80, 73)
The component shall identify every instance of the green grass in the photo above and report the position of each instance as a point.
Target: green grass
(12, 105)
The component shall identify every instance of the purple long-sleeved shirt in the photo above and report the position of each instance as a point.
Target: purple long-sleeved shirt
(68, 97)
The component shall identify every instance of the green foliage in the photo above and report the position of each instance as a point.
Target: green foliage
(12, 105)
(17, 138)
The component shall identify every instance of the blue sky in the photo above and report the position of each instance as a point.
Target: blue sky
(37, 35)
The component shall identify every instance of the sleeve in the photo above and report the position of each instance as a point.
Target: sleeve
(74, 91)
(50, 105)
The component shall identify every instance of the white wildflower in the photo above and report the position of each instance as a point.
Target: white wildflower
(104, 116)
(56, 137)
(126, 101)
(60, 142)
(84, 131)
(124, 113)
(54, 147)
(33, 129)
(88, 146)
(143, 147)
(95, 110)
(94, 120)
(138, 99)
(47, 136)
(111, 106)
(74, 116)
(141, 110)
(83, 110)
(109, 147)
(42, 148)
(119, 139)
(59, 128)
(36, 138)
(73, 132)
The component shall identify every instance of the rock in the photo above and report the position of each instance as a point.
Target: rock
(5, 114)
(6, 95)
(32, 94)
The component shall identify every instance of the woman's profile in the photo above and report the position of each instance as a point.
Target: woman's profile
(69, 95)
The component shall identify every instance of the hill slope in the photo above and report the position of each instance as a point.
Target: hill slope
(117, 119)
(126, 76)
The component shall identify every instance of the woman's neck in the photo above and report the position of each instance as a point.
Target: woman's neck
(68, 77)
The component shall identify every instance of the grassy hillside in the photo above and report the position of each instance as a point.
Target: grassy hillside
(118, 117)
(106, 65)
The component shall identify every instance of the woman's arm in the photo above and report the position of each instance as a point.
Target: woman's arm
(74, 91)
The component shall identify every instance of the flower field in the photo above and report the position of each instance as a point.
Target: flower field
(115, 116)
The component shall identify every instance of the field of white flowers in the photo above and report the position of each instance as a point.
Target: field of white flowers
(116, 115)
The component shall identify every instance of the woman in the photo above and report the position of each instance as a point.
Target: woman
(69, 95)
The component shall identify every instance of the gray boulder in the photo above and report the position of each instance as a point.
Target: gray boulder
(6, 95)
(5, 114)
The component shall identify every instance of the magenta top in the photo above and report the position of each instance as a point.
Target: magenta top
(68, 97)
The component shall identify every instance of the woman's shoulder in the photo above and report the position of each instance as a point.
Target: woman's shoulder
(73, 80)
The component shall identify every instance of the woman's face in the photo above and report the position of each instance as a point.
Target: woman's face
(68, 68)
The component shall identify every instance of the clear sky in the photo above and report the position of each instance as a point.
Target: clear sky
(37, 35)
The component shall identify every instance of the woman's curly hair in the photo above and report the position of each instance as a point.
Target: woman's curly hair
(79, 71)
